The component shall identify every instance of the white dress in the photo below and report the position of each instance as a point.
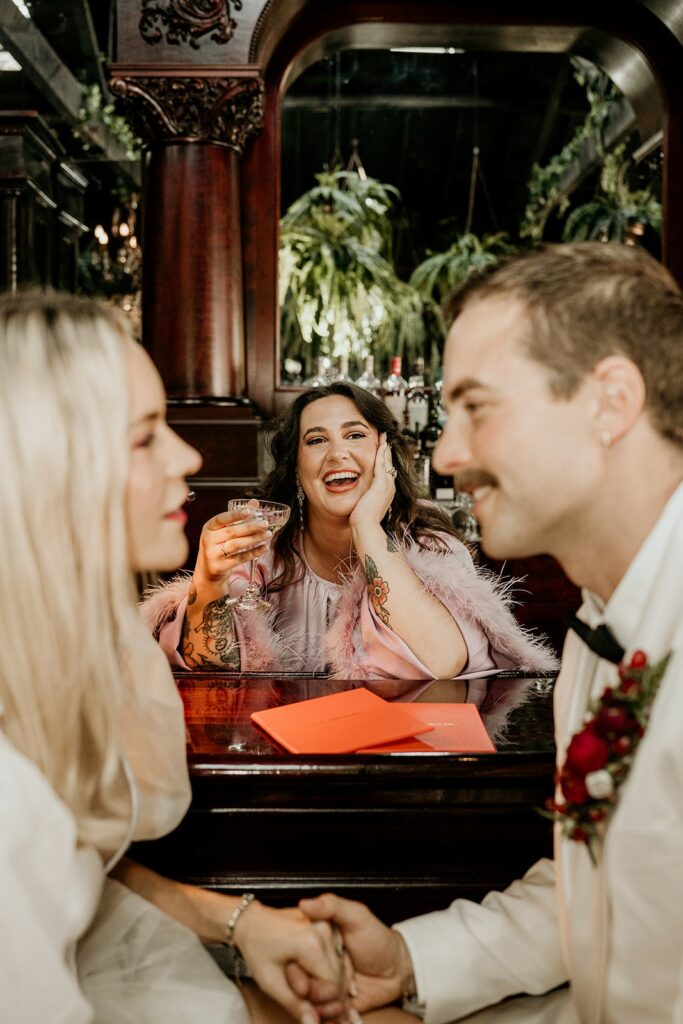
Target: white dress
(80, 947)
(49, 890)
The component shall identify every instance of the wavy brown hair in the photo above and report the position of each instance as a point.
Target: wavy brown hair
(410, 516)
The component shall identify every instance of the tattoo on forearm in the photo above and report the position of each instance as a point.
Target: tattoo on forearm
(392, 546)
(218, 633)
(379, 589)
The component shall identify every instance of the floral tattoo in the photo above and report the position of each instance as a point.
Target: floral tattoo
(379, 589)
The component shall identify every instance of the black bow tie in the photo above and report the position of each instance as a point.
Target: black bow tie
(601, 640)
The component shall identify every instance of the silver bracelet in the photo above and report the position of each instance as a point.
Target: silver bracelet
(234, 918)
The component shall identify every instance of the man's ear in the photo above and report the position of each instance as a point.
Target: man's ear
(620, 391)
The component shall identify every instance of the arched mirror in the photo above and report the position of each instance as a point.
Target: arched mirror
(402, 168)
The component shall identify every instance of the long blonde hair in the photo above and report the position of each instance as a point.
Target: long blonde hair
(67, 600)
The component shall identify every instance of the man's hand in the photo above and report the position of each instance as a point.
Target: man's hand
(382, 967)
(275, 942)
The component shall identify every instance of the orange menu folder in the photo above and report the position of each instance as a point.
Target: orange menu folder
(339, 723)
(456, 728)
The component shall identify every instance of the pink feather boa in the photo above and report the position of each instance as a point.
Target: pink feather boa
(450, 575)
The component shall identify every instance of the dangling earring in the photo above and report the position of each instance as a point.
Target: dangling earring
(606, 439)
(300, 500)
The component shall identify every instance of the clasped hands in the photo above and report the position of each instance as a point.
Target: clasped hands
(348, 963)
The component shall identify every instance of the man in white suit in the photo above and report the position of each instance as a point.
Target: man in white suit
(563, 381)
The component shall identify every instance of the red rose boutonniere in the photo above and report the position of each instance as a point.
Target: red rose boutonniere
(600, 755)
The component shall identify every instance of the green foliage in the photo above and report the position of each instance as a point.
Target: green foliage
(339, 292)
(94, 111)
(618, 212)
(547, 184)
(441, 273)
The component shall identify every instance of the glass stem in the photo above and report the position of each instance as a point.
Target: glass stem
(252, 567)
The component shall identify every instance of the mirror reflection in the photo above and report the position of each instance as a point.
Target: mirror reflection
(516, 713)
(404, 170)
(364, 578)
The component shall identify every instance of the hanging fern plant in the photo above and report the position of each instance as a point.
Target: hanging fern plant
(441, 273)
(547, 193)
(339, 292)
(618, 213)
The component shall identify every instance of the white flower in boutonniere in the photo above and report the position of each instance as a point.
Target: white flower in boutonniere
(600, 784)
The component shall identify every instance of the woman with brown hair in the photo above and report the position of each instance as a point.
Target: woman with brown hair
(366, 579)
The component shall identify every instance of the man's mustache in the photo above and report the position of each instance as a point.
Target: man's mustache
(471, 479)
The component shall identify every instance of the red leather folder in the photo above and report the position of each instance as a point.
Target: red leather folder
(339, 723)
(456, 728)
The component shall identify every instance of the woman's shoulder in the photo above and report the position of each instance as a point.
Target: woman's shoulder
(26, 799)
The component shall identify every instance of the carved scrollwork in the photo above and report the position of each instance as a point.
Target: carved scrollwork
(176, 21)
(193, 109)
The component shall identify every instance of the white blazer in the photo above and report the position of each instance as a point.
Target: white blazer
(615, 931)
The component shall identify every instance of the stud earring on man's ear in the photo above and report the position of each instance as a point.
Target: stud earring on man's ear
(606, 439)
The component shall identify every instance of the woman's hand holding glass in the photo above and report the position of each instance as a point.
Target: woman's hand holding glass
(274, 514)
(228, 540)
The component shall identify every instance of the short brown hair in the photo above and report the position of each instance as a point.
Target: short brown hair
(589, 300)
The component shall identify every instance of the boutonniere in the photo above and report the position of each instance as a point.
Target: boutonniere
(600, 755)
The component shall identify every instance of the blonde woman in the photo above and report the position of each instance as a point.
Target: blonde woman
(92, 750)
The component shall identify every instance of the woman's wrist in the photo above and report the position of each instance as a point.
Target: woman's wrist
(244, 923)
(235, 918)
(203, 590)
(366, 532)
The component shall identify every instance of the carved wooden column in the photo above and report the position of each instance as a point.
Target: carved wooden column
(194, 128)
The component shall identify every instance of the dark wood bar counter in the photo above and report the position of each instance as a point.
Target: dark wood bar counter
(404, 832)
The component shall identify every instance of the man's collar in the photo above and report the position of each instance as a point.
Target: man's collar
(623, 611)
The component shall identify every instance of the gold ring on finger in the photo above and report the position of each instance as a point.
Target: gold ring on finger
(340, 948)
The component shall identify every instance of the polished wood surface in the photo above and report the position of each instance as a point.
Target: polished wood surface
(404, 832)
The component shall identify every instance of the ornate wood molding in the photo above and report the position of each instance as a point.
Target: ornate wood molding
(223, 110)
(187, 21)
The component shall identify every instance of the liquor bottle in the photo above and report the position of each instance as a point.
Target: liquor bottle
(440, 487)
(417, 400)
(438, 393)
(417, 377)
(410, 435)
(342, 373)
(321, 377)
(394, 390)
(367, 379)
